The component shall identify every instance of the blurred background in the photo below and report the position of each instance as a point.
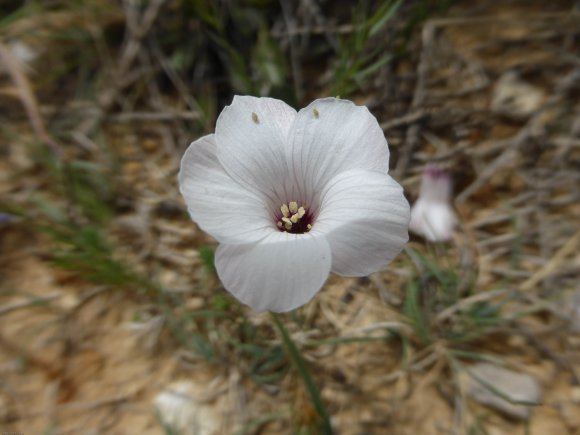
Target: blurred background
(112, 319)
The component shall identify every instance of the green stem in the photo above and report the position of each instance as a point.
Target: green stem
(302, 368)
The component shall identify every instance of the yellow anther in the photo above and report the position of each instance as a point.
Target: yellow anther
(255, 118)
(316, 113)
(292, 214)
(284, 210)
(309, 227)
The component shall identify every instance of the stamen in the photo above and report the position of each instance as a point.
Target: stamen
(287, 223)
(284, 210)
(295, 219)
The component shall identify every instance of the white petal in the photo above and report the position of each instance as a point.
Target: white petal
(280, 273)
(331, 136)
(251, 134)
(365, 217)
(221, 207)
(433, 220)
(436, 185)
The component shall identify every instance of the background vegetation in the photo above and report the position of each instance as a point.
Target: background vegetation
(109, 291)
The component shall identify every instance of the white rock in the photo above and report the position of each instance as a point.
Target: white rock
(518, 387)
(514, 97)
(180, 406)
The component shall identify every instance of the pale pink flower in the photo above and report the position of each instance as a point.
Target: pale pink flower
(293, 196)
(432, 215)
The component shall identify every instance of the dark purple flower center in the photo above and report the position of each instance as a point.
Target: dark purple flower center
(294, 218)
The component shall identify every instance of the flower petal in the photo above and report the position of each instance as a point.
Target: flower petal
(280, 273)
(251, 134)
(433, 220)
(365, 217)
(331, 136)
(221, 207)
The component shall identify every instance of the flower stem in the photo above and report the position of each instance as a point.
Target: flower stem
(302, 368)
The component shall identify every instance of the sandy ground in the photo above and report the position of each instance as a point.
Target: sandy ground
(75, 359)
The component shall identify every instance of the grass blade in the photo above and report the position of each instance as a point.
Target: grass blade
(302, 368)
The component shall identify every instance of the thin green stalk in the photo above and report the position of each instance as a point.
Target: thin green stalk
(302, 368)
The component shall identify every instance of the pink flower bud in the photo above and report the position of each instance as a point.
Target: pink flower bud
(432, 215)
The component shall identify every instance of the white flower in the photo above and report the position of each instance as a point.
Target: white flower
(432, 215)
(292, 196)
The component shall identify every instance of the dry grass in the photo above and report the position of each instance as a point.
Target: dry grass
(108, 292)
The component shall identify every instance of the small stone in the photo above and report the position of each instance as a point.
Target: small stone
(179, 407)
(133, 167)
(517, 341)
(571, 307)
(68, 301)
(195, 303)
(573, 341)
(515, 98)
(20, 158)
(518, 387)
(150, 144)
(570, 413)
(575, 394)
(8, 413)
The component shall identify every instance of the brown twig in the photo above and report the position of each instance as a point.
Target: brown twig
(412, 137)
(51, 370)
(529, 131)
(5, 309)
(137, 29)
(27, 98)
(408, 119)
(550, 267)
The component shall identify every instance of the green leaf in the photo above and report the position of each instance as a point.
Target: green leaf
(302, 368)
(414, 312)
(207, 256)
(384, 14)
